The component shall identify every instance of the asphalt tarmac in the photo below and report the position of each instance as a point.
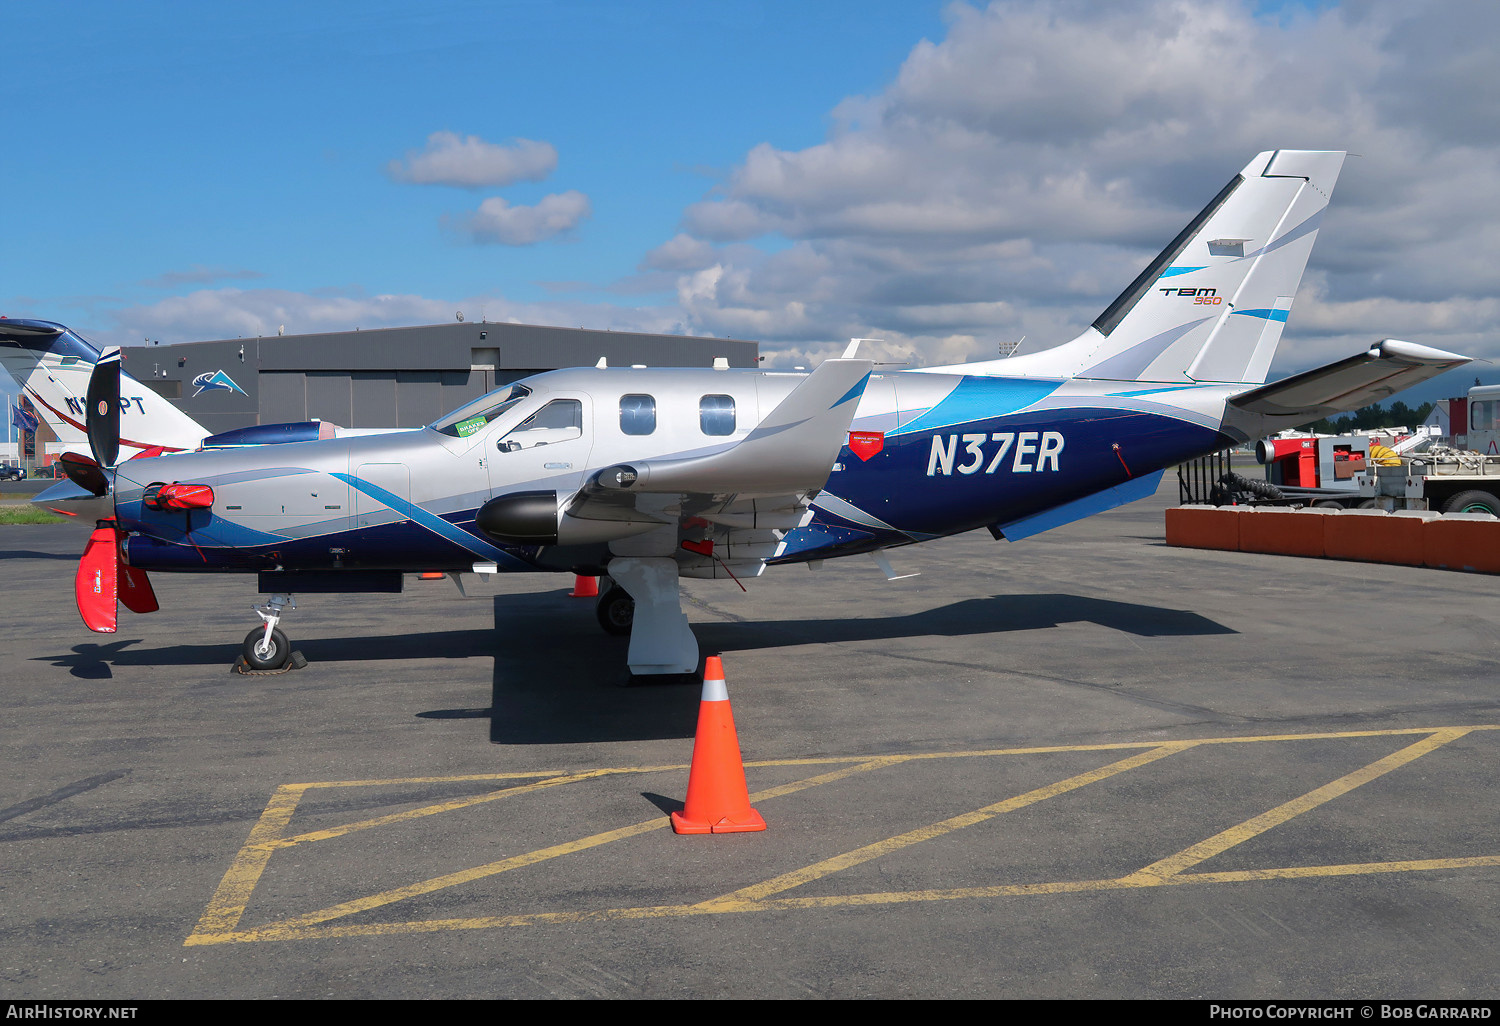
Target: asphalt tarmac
(1085, 765)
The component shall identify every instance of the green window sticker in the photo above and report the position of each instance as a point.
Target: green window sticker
(468, 427)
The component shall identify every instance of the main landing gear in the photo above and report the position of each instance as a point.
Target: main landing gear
(615, 610)
(267, 649)
(644, 602)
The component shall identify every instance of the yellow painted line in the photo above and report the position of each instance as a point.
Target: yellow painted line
(796, 878)
(837, 759)
(433, 810)
(228, 903)
(220, 919)
(1349, 869)
(275, 930)
(836, 901)
(475, 777)
(530, 858)
(1221, 842)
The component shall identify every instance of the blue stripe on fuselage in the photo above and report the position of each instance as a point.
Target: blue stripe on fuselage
(894, 486)
(436, 524)
(976, 397)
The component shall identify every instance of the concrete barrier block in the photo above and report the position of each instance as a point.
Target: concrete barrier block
(1285, 532)
(1462, 541)
(1375, 536)
(1204, 527)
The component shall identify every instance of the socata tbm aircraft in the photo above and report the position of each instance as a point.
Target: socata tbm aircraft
(650, 475)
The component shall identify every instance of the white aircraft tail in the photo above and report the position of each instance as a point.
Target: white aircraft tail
(1211, 306)
(52, 364)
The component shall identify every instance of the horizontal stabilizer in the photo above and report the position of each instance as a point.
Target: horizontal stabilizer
(1385, 369)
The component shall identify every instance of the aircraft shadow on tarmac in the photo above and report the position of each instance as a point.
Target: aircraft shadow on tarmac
(995, 615)
(33, 554)
(556, 677)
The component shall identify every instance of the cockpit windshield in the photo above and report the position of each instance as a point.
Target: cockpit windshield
(466, 420)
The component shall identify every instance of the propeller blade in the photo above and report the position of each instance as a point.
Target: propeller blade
(104, 580)
(102, 414)
(96, 586)
(84, 472)
(135, 590)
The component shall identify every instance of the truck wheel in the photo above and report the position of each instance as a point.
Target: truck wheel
(1368, 504)
(1473, 502)
(1328, 504)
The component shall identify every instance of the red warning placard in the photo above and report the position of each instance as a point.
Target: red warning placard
(865, 444)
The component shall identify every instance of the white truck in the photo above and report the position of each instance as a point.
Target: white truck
(1461, 476)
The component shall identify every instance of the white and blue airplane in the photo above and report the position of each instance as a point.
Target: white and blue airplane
(53, 365)
(650, 475)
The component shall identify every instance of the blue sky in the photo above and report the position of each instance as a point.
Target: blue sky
(160, 139)
(943, 176)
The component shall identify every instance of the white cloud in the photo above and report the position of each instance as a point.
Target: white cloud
(682, 252)
(1016, 174)
(198, 274)
(496, 220)
(230, 313)
(472, 163)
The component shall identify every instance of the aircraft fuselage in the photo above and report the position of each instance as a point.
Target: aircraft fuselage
(928, 455)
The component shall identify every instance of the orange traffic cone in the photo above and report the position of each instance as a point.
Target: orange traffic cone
(584, 587)
(717, 799)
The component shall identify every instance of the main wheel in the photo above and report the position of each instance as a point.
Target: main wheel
(616, 611)
(262, 656)
(1473, 502)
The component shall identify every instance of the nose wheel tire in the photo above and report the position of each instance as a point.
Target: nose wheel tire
(262, 655)
(616, 611)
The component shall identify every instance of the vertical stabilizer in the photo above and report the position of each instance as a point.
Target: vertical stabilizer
(53, 364)
(1212, 305)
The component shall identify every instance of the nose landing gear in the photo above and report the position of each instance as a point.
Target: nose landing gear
(267, 649)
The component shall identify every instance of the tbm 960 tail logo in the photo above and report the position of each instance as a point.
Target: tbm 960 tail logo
(1028, 451)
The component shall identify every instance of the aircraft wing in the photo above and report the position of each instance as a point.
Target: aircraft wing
(1385, 369)
(771, 470)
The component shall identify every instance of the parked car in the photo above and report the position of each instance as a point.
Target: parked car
(12, 472)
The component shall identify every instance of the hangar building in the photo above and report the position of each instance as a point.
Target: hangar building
(391, 377)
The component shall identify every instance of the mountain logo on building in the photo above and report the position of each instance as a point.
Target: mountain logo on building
(211, 380)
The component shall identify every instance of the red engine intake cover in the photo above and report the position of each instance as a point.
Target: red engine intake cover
(185, 496)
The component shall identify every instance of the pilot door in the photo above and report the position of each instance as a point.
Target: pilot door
(546, 451)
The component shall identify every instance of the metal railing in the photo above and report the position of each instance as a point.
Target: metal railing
(1197, 478)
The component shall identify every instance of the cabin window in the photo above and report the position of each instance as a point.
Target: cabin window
(561, 420)
(716, 414)
(637, 414)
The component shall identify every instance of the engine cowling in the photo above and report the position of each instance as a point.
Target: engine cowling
(520, 518)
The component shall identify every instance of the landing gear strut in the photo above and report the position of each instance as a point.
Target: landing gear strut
(267, 648)
(661, 642)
